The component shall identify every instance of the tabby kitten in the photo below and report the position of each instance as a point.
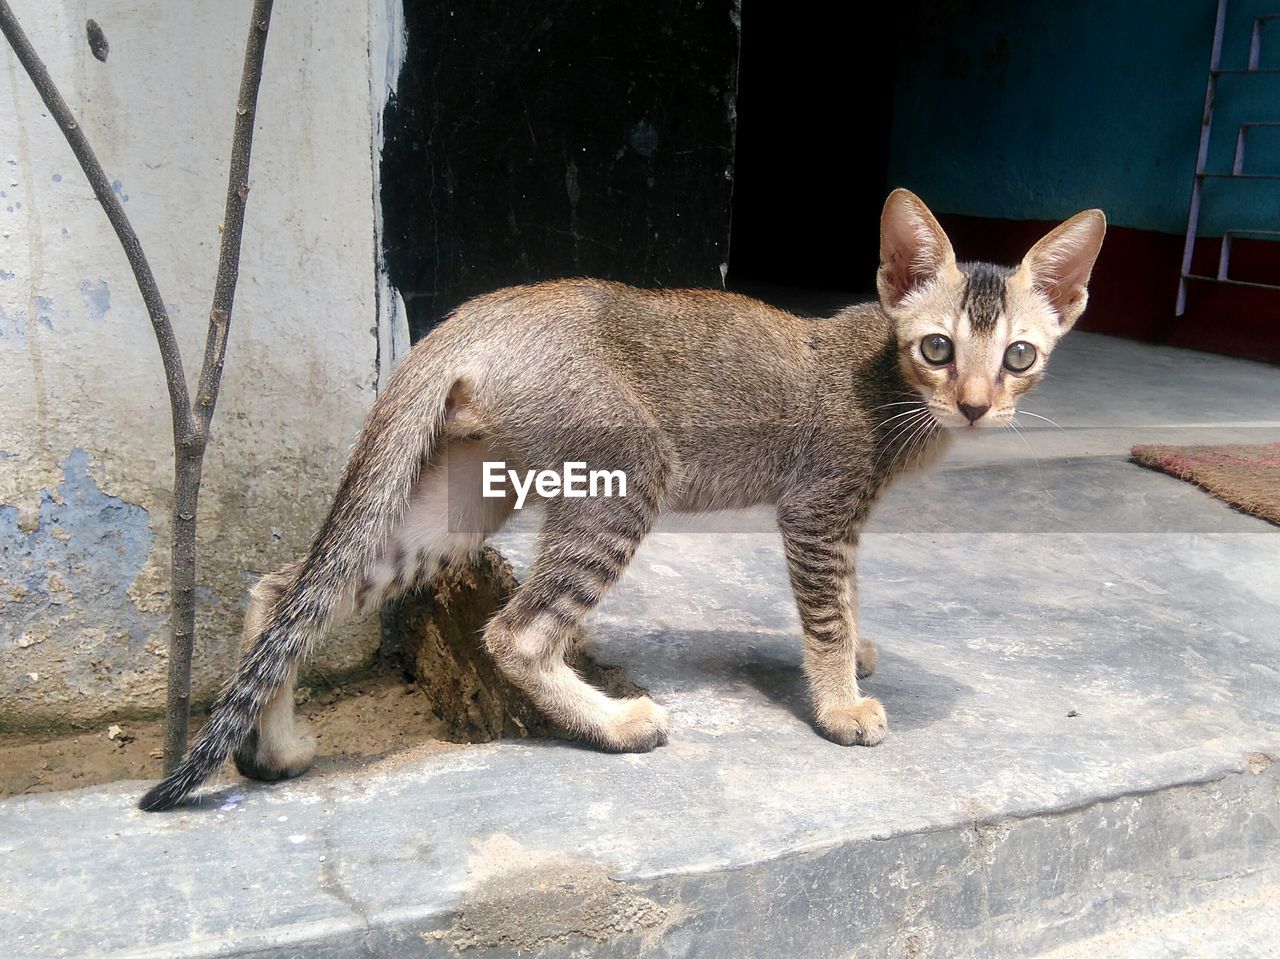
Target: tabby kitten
(706, 400)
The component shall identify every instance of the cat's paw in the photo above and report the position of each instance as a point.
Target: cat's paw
(868, 656)
(854, 724)
(280, 758)
(639, 725)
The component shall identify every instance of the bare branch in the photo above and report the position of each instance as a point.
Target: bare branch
(224, 290)
(188, 467)
(184, 426)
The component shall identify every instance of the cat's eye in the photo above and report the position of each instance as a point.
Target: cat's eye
(1019, 357)
(937, 349)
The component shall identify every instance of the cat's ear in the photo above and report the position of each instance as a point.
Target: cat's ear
(1058, 267)
(913, 248)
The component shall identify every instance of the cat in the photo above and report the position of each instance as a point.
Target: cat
(705, 400)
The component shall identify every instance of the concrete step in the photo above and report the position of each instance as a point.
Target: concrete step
(520, 849)
(1237, 927)
(1082, 733)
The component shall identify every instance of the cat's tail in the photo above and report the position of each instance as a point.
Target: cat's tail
(399, 435)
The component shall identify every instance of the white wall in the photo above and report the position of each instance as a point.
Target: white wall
(85, 448)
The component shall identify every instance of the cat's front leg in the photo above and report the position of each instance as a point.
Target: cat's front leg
(820, 561)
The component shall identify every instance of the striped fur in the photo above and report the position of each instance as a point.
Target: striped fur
(984, 299)
(706, 400)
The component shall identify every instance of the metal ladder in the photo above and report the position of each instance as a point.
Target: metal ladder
(1237, 166)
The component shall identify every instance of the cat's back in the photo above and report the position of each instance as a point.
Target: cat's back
(676, 319)
(709, 343)
(652, 337)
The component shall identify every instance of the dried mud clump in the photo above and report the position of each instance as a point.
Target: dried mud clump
(437, 633)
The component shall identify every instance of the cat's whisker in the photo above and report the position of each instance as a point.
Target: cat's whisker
(899, 431)
(920, 434)
(931, 430)
(897, 416)
(903, 403)
(1039, 472)
(903, 455)
(1039, 417)
(895, 438)
(898, 428)
(916, 445)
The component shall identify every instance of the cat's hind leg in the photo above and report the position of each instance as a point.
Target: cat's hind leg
(280, 746)
(868, 657)
(447, 522)
(583, 549)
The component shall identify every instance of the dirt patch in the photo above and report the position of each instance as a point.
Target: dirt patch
(363, 719)
(436, 687)
(1258, 762)
(523, 901)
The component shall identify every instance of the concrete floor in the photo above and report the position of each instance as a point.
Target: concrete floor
(1079, 660)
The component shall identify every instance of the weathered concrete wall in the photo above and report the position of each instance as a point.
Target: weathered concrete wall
(85, 449)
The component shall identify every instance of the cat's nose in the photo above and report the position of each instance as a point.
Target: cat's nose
(973, 411)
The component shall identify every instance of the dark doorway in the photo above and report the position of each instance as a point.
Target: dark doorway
(815, 103)
(536, 140)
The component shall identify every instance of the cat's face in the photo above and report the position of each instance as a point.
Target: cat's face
(972, 337)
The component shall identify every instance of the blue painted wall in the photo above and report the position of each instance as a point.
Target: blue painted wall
(1039, 108)
(65, 579)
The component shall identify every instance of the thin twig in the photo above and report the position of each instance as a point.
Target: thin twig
(224, 290)
(189, 464)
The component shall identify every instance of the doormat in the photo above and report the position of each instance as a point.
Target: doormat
(1247, 477)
